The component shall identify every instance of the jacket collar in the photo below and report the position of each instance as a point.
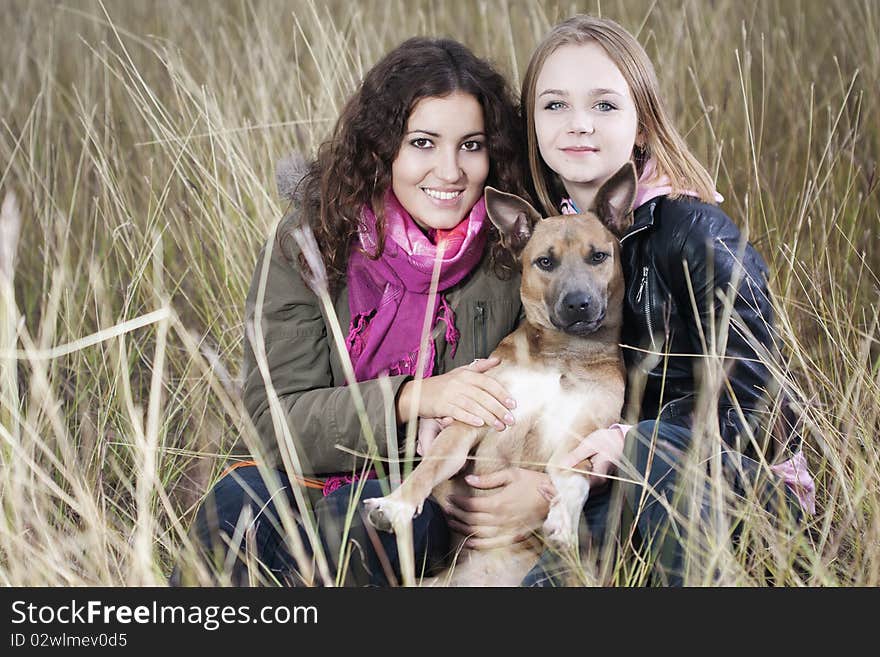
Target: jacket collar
(643, 218)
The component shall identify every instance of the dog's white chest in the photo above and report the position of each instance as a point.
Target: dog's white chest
(542, 395)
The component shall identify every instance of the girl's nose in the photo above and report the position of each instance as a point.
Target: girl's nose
(581, 123)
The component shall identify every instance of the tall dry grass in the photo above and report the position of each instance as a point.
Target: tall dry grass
(137, 151)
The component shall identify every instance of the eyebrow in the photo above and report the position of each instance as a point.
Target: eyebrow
(437, 134)
(592, 92)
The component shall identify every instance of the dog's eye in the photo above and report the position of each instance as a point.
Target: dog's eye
(598, 257)
(545, 263)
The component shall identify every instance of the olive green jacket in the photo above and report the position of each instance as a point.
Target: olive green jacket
(305, 368)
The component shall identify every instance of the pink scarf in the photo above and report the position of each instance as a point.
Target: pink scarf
(388, 297)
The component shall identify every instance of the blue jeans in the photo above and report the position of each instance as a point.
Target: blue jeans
(373, 562)
(653, 454)
(649, 487)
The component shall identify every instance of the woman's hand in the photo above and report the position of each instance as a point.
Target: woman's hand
(603, 447)
(465, 394)
(515, 507)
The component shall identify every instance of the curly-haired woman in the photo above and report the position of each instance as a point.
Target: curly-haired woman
(402, 174)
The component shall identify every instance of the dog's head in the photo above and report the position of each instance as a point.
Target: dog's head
(572, 280)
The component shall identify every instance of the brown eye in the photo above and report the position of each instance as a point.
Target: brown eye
(544, 263)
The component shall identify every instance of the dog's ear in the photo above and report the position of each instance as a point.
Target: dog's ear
(614, 200)
(513, 217)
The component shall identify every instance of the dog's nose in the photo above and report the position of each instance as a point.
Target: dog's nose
(575, 306)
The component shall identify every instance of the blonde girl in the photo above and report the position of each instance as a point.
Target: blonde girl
(590, 104)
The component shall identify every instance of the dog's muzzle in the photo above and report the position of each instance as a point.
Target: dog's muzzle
(578, 314)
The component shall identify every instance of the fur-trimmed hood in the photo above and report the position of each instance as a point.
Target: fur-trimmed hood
(289, 172)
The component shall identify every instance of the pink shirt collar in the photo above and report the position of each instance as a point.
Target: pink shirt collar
(649, 186)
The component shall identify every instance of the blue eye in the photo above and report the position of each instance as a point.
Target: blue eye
(421, 142)
(598, 257)
(554, 105)
(604, 106)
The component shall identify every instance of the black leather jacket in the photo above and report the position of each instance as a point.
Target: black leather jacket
(674, 244)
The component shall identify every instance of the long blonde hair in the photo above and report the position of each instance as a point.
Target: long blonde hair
(662, 141)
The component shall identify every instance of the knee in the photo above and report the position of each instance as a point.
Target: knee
(241, 491)
(651, 459)
(240, 507)
(652, 445)
(642, 434)
(640, 445)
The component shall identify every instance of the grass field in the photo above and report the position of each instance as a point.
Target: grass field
(137, 149)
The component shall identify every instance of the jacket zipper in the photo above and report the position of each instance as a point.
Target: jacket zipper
(635, 232)
(642, 285)
(643, 290)
(479, 330)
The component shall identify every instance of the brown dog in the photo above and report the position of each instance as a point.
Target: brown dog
(562, 365)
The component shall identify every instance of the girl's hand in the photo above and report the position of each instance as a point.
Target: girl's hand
(465, 394)
(517, 505)
(604, 448)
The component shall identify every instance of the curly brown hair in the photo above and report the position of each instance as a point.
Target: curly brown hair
(354, 166)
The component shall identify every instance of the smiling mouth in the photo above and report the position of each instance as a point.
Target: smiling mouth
(441, 195)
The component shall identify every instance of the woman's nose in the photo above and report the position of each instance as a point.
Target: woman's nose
(448, 168)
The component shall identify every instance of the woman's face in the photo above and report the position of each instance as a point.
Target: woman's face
(442, 165)
(585, 119)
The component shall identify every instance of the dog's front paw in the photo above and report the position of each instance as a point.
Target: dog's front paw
(559, 529)
(387, 514)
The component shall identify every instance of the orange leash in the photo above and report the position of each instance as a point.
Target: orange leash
(303, 481)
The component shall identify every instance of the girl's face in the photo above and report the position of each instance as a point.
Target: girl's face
(585, 119)
(442, 165)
